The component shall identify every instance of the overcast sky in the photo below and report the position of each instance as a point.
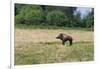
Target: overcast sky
(83, 11)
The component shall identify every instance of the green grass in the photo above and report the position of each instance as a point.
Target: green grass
(53, 52)
(23, 26)
(39, 46)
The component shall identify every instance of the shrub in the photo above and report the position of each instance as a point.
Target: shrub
(56, 18)
(33, 17)
(29, 15)
(19, 19)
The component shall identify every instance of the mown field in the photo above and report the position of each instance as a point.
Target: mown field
(40, 46)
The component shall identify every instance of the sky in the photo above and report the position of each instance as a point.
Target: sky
(84, 11)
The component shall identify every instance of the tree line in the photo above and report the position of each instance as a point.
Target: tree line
(52, 16)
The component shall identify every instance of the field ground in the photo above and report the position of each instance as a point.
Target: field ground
(39, 46)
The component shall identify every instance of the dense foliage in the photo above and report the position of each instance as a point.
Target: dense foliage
(52, 16)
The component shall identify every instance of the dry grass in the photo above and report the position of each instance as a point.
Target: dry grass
(35, 46)
(46, 35)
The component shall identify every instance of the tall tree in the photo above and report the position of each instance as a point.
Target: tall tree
(88, 20)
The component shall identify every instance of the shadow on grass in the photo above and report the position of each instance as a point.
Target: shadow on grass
(53, 43)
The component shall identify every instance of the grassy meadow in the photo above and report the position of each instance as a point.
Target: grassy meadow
(40, 46)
